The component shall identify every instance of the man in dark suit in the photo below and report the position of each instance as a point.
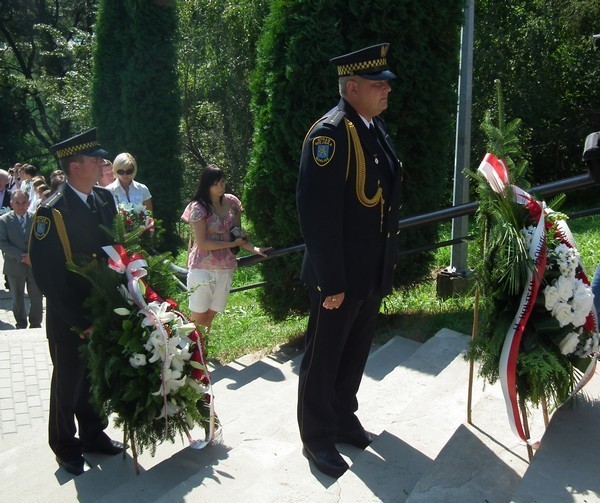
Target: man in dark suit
(15, 227)
(67, 226)
(348, 200)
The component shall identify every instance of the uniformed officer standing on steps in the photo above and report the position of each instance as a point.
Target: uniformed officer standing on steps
(348, 200)
(68, 225)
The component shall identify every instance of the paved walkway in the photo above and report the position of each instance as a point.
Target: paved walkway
(25, 372)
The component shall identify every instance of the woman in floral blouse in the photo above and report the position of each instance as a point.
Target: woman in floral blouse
(212, 215)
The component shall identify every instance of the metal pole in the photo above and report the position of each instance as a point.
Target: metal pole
(462, 157)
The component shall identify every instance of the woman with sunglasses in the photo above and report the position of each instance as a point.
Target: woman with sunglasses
(125, 189)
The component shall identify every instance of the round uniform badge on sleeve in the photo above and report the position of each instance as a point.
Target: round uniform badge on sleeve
(323, 149)
(41, 226)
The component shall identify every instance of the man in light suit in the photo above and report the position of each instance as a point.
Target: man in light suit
(15, 228)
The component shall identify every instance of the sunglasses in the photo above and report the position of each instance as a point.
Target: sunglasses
(125, 171)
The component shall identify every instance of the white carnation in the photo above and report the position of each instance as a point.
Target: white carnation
(551, 296)
(565, 288)
(569, 343)
(563, 314)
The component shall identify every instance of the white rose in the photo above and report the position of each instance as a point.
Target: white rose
(137, 360)
(569, 343)
(551, 297)
(565, 288)
(563, 314)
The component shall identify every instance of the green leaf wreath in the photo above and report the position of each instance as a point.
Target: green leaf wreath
(146, 366)
(560, 338)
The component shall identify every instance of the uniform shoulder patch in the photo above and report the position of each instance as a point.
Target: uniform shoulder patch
(41, 226)
(323, 149)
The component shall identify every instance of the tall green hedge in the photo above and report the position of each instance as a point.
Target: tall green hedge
(136, 101)
(293, 85)
(542, 52)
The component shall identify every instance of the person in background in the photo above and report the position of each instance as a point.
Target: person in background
(108, 175)
(14, 181)
(15, 228)
(348, 199)
(57, 178)
(36, 183)
(4, 192)
(68, 225)
(596, 291)
(213, 216)
(26, 174)
(125, 189)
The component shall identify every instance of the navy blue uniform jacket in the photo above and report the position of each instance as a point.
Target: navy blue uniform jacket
(66, 291)
(348, 200)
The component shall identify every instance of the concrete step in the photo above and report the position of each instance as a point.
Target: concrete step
(259, 430)
(272, 468)
(565, 467)
(481, 462)
(416, 429)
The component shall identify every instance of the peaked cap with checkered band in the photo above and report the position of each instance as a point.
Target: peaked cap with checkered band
(369, 63)
(84, 144)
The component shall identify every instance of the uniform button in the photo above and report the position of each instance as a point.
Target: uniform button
(388, 235)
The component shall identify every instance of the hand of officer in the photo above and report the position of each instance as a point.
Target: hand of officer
(86, 333)
(334, 301)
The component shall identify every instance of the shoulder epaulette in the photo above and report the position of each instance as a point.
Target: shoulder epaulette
(332, 119)
(335, 118)
(51, 201)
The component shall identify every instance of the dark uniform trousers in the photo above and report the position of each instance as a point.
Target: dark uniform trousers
(70, 394)
(337, 346)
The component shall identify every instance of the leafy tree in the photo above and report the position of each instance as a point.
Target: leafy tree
(45, 66)
(542, 52)
(294, 84)
(139, 66)
(217, 53)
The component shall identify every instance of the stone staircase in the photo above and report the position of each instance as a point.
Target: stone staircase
(413, 398)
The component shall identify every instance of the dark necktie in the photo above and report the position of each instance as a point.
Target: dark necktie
(375, 134)
(91, 203)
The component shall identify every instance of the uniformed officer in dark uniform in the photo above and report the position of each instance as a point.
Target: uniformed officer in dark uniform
(67, 226)
(348, 200)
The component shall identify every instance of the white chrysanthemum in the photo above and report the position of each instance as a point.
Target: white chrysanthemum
(137, 360)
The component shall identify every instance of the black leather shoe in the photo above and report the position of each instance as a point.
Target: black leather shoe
(328, 461)
(360, 438)
(74, 466)
(105, 445)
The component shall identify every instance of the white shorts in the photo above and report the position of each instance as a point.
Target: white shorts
(209, 289)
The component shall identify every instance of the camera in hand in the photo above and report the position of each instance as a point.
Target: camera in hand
(237, 232)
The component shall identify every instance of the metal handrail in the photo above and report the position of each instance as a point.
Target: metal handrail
(547, 189)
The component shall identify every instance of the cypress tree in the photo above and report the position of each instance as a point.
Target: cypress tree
(293, 85)
(136, 61)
